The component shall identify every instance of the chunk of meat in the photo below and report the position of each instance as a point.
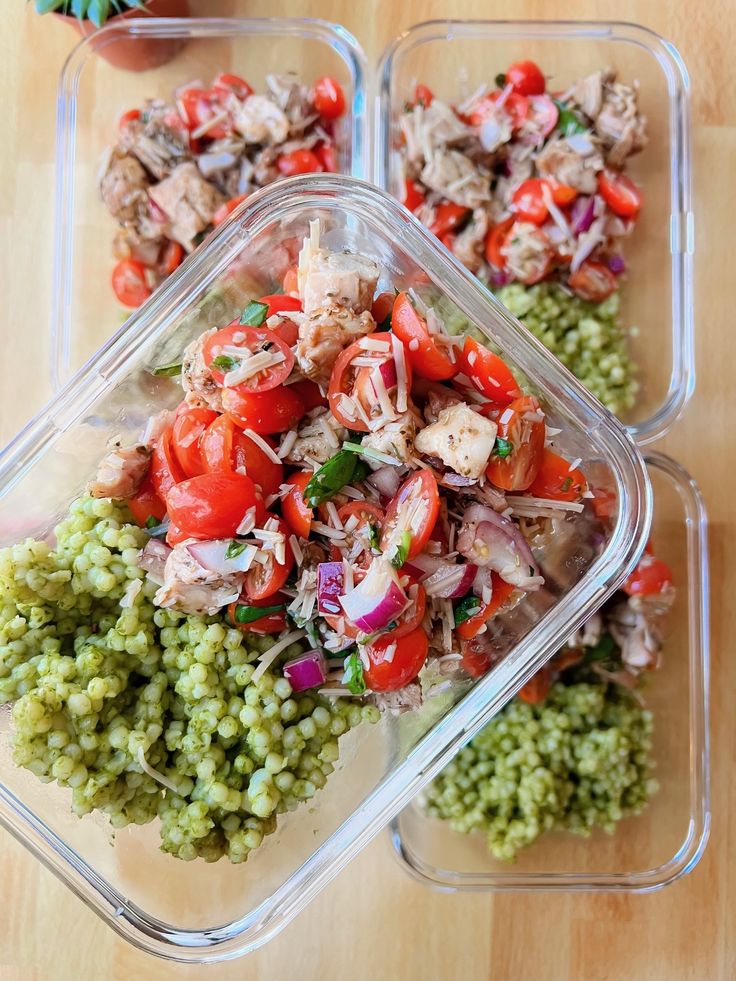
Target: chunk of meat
(259, 120)
(468, 244)
(343, 279)
(158, 145)
(589, 634)
(188, 201)
(155, 426)
(120, 472)
(293, 98)
(461, 438)
(438, 398)
(395, 438)
(123, 186)
(637, 626)
(451, 174)
(324, 335)
(196, 378)
(190, 588)
(588, 94)
(562, 162)
(153, 560)
(406, 699)
(320, 437)
(129, 243)
(428, 129)
(527, 252)
(620, 124)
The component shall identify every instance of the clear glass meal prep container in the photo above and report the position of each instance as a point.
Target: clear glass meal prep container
(197, 912)
(454, 57)
(91, 97)
(667, 840)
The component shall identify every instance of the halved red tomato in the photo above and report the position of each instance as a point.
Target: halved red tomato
(650, 577)
(326, 153)
(413, 195)
(423, 352)
(515, 463)
(501, 591)
(515, 105)
(299, 162)
(620, 193)
(197, 107)
(537, 688)
(249, 340)
(283, 304)
(490, 375)
(329, 98)
(423, 96)
(264, 579)
(593, 281)
(526, 77)
(556, 480)
(411, 515)
(528, 201)
(358, 518)
(272, 623)
(297, 513)
(391, 671)
(342, 382)
(447, 217)
(212, 505)
(146, 503)
(186, 434)
(265, 413)
(175, 536)
(225, 448)
(477, 656)
(165, 469)
(130, 283)
(226, 209)
(310, 394)
(495, 240)
(225, 85)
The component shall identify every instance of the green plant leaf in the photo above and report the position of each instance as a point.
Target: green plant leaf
(466, 608)
(80, 8)
(249, 614)
(47, 6)
(254, 314)
(401, 551)
(330, 478)
(98, 12)
(353, 678)
(168, 370)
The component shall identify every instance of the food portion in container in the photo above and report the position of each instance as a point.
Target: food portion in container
(525, 187)
(179, 167)
(348, 511)
(573, 751)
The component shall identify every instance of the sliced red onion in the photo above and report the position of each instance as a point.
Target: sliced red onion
(490, 539)
(306, 671)
(492, 134)
(583, 213)
(330, 586)
(376, 600)
(388, 375)
(616, 264)
(500, 277)
(543, 113)
(386, 480)
(153, 559)
(422, 565)
(213, 556)
(450, 580)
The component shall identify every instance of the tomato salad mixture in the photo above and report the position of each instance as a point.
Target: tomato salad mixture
(180, 167)
(344, 473)
(523, 184)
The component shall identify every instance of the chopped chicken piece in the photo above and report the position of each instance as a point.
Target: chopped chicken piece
(567, 165)
(406, 699)
(527, 252)
(196, 378)
(426, 129)
(469, 243)
(395, 438)
(343, 279)
(131, 242)
(120, 472)
(620, 124)
(124, 186)
(461, 438)
(589, 634)
(190, 588)
(453, 175)
(588, 94)
(637, 627)
(259, 120)
(313, 440)
(292, 96)
(439, 398)
(188, 201)
(324, 335)
(158, 145)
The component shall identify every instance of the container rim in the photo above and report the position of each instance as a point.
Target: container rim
(254, 217)
(308, 28)
(693, 846)
(681, 221)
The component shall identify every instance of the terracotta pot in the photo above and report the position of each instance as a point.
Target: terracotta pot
(142, 53)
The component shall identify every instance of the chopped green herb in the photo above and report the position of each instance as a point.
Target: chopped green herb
(401, 552)
(151, 522)
(168, 370)
(566, 484)
(145, 117)
(330, 478)
(568, 122)
(466, 608)
(361, 471)
(224, 361)
(254, 314)
(502, 447)
(500, 80)
(353, 678)
(605, 648)
(249, 614)
(374, 534)
(235, 548)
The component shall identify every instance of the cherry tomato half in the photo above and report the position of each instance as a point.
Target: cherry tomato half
(495, 240)
(342, 382)
(212, 505)
(310, 394)
(526, 78)
(264, 579)
(500, 593)
(199, 106)
(186, 434)
(132, 115)
(407, 660)
(620, 193)
(250, 340)
(225, 448)
(528, 201)
(130, 283)
(357, 517)
(225, 85)
(490, 375)
(175, 536)
(413, 509)
(329, 98)
(165, 469)
(425, 356)
(448, 216)
(537, 688)
(423, 96)
(265, 413)
(413, 195)
(326, 153)
(299, 162)
(297, 513)
(556, 481)
(650, 577)
(172, 257)
(522, 425)
(146, 503)
(515, 106)
(593, 281)
(226, 209)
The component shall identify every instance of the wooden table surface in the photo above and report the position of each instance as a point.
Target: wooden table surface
(374, 922)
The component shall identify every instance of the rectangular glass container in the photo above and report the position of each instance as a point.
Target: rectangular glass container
(667, 840)
(91, 97)
(453, 57)
(199, 912)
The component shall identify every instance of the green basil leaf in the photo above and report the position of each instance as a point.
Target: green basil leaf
(401, 552)
(353, 678)
(224, 362)
(151, 522)
(330, 478)
(568, 122)
(566, 484)
(168, 370)
(466, 608)
(249, 614)
(605, 648)
(254, 314)
(374, 534)
(502, 447)
(235, 548)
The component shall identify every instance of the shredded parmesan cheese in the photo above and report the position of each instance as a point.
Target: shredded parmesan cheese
(279, 647)
(263, 445)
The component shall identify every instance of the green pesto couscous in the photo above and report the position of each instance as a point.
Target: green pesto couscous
(147, 713)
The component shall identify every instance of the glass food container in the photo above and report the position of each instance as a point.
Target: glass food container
(91, 97)
(200, 912)
(667, 840)
(454, 57)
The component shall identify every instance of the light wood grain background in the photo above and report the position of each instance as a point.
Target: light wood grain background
(374, 922)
